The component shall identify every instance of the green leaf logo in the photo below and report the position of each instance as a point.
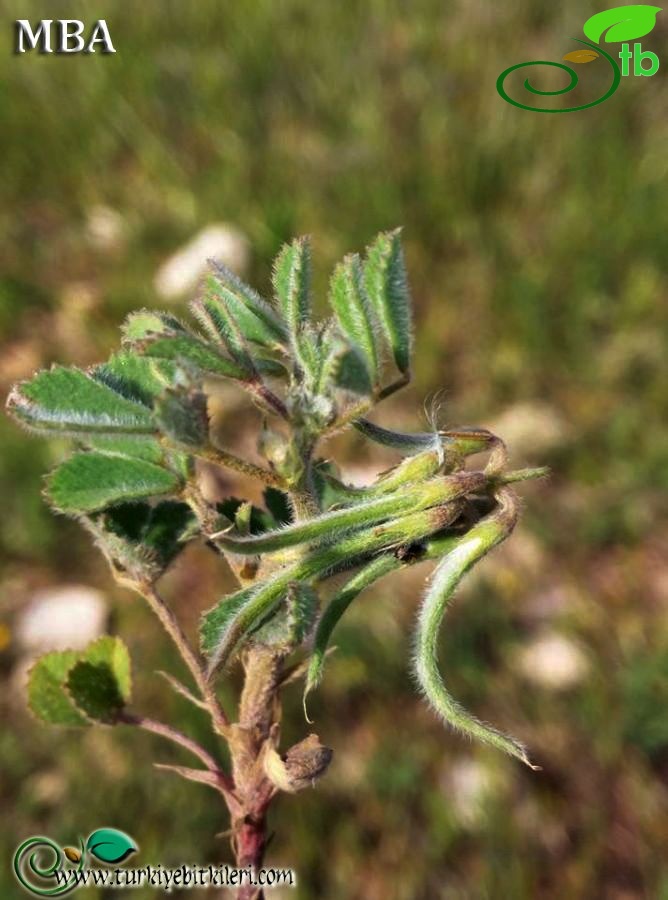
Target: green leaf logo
(110, 846)
(624, 23)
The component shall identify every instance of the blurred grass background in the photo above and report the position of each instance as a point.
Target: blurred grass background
(537, 250)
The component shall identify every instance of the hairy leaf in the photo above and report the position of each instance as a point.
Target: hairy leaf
(135, 377)
(411, 470)
(387, 287)
(292, 284)
(149, 449)
(47, 697)
(90, 481)
(278, 504)
(181, 414)
(143, 538)
(258, 321)
(259, 519)
(100, 681)
(353, 310)
(94, 690)
(219, 319)
(189, 349)
(291, 624)
(72, 402)
(216, 621)
(146, 323)
(352, 373)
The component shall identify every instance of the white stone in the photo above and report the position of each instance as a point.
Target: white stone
(468, 784)
(182, 271)
(553, 661)
(105, 228)
(59, 618)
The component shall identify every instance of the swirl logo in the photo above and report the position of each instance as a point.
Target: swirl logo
(619, 25)
(44, 868)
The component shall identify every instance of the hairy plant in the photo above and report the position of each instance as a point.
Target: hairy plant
(139, 422)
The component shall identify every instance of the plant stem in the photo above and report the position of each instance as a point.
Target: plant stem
(224, 458)
(173, 735)
(269, 398)
(259, 715)
(190, 658)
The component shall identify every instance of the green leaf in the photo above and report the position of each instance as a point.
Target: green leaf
(71, 401)
(292, 284)
(216, 621)
(47, 697)
(623, 23)
(353, 374)
(220, 321)
(113, 652)
(139, 447)
(278, 504)
(259, 519)
(110, 845)
(332, 347)
(99, 682)
(146, 323)
(387, 287)
(135, 377)
(90, 481)
(181, 414)
(93, 688)
(141, 538)
(353, 310)
(292, 621)
(257, 320)
(201, 356)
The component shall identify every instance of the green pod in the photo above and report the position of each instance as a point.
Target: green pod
(468, 551)
(411, 470)
(226, 625)
(454, 442)
(435, 492)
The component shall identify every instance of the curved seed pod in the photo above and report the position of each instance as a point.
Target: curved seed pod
(411, 470)
(453, 442)
(471, 548)
(421, 496)
(226, 625)
(340, 602)
(335, 609)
